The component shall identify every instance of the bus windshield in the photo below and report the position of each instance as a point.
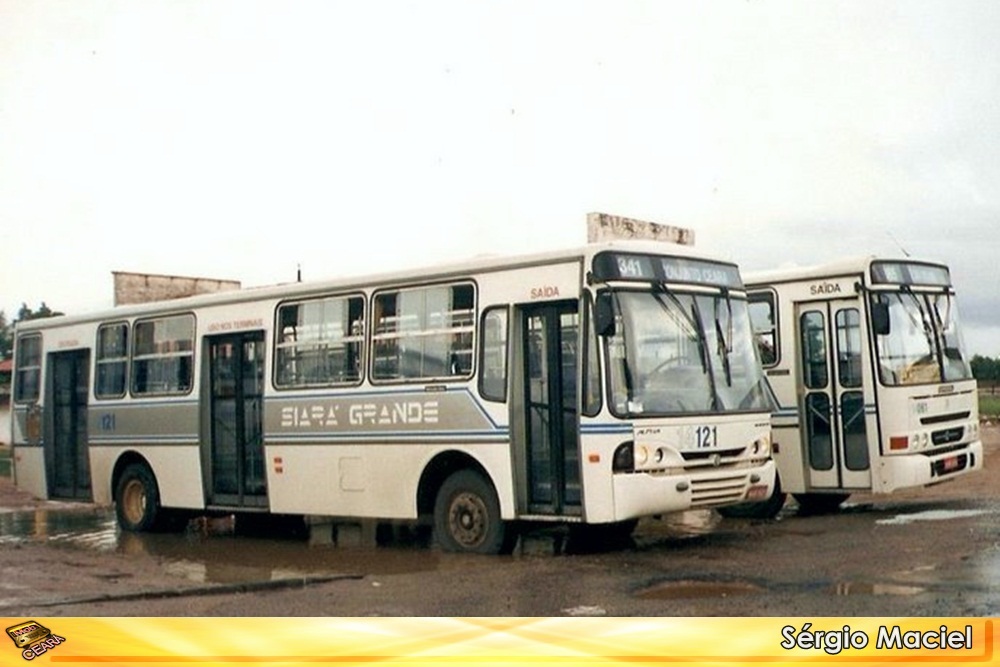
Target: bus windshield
(677, 353)
(924, 343)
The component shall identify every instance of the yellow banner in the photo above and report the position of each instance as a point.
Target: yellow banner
(499, 641)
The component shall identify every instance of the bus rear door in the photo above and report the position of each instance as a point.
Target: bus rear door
(236, 403)
(67, 463)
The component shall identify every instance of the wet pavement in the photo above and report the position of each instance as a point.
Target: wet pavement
(212, 551)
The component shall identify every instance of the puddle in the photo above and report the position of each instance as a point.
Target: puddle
(930, 515)
(856, 588)
(92, 529)
(210, 552)
(676, 590)
(679, 525)
(585, 610)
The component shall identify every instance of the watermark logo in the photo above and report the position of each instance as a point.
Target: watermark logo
(33, 638)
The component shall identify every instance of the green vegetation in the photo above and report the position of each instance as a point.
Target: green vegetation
(989, 406)
(7, 327)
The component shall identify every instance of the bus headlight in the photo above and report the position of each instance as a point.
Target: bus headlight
(640, 455)
(624, 458)
(762, 446)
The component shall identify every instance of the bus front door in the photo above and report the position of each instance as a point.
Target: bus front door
(236, 391)
(67, 463)
(551, 451)
(834, 432)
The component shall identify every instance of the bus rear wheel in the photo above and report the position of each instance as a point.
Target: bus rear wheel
(137, 500)
(467, 516)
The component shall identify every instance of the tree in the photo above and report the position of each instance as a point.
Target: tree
(28, 314)
(6, 336)
(24, 314)
(986, 371)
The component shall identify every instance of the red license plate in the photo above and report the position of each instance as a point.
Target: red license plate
(950, 463)
(757, 493)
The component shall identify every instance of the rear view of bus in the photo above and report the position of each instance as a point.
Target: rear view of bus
(876, 391)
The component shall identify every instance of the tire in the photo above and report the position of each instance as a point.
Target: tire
(767, 509)
(137, 500)
(467, 516)
(811, 504)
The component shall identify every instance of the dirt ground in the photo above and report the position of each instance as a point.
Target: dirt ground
(793, 565)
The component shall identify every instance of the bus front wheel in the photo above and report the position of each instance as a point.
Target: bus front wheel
(467, 516)
(137, 500)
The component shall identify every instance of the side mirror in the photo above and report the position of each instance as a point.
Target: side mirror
(604, 315)
(880, 318)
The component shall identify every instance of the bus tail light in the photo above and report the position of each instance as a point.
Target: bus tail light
(899, 442)
(624, 459)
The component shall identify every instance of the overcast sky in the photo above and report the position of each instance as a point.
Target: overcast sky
(240, 139)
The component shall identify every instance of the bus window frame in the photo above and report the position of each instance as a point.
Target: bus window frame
(374, 336)
(483, 393)
(19, 368)
(770, 297)
(193, 355)
(126, 385)
(366, 311)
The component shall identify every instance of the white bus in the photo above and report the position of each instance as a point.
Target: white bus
(592, 386)
(875, 390)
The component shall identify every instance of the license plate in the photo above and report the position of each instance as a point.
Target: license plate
(757, 493)
(950, 463)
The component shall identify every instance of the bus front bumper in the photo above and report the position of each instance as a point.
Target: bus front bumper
(646, 494)
(913, 470)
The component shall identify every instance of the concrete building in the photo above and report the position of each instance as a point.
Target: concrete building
(144, 287)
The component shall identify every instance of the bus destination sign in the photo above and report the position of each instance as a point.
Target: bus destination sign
(910, 273)
(628, 266)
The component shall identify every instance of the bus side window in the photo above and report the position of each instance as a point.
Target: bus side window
(112, 360)
(493, 355)
(423, 333)
(849, 347)
(763, 320)
(28, 368)
(162, 355)
(320, 342)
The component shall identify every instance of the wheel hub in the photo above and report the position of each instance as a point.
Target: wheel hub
(468, 519)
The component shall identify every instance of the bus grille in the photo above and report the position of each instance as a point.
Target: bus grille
(948, 435)
(720, 460)
(723, 490)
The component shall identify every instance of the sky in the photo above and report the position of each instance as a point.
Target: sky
(242, 139)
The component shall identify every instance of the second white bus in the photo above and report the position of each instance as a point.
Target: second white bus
(874, 386)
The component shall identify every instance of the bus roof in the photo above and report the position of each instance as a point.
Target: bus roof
(855, 265)
(308, 288)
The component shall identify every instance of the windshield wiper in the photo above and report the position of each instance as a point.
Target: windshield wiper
(725, 346)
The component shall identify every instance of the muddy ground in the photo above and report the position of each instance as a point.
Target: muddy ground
(927, 552)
